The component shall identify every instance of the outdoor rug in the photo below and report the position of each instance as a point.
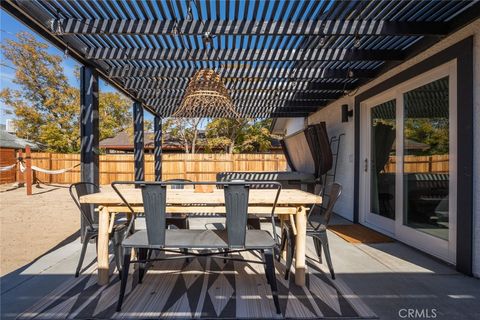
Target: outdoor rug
(356, 233)
(201, 288)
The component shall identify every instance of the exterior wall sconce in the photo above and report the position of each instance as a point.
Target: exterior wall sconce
(346, 113)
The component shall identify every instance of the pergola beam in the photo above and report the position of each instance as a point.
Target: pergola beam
(242, 73)
(131, 54)
(331, 27)
(245, 94)
(267, 84)
(318, 98)
(89, 132)
(138, 142)
(267, 103)
(157, 150)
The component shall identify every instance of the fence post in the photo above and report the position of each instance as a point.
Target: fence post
(28, 171)
(21, 180)
(49, 167)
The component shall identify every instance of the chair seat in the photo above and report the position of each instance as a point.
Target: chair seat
(200, 239)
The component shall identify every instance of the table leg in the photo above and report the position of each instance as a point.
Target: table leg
(300, 245)
(102, 250)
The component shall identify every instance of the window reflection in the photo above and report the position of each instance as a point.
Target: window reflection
(426, 161)
(382, 157)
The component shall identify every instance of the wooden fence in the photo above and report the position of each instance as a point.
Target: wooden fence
(7, 157)
(196, 167)
(420, 164)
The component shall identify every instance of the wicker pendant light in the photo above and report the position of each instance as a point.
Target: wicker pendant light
(206, 96)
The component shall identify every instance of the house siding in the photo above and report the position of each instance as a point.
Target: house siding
(346, 168)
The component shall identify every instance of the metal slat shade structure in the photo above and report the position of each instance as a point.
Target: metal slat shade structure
(277, 58)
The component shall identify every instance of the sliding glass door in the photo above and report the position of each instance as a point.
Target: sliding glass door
(426, 158)
(409, 163)
(380, 174)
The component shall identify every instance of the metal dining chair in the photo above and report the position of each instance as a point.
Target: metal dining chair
(316, 230)
(178, 220)
(235, 238)
(90, 228)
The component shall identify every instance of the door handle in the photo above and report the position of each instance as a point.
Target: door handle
(365, 168)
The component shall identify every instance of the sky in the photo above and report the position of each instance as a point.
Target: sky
(9, 26)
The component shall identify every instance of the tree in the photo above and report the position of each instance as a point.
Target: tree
(47, 107)
(238, 135)
(225, 134)
(257, 137)
(185, 130)
(430, 131)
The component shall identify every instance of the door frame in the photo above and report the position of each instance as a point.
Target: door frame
(462, 52)
(367, 218)
(443, 249)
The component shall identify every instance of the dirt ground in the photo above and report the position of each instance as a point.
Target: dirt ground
(32, 225)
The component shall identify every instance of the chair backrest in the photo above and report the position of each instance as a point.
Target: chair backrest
(81, 189)
(236, 206)
(333, 193)
(155, 205)
(177, 186)
(236, 195)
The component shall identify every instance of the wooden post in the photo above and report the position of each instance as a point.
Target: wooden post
(28, 171)
(49, 167)
(89, 132)
(138, 142)
(21, 178)
(157, 151)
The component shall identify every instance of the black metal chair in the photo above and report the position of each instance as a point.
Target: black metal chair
(316, 230)
(235, 238)
(178, 220)
(90, 228)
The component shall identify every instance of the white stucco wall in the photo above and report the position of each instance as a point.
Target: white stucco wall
(332, 116)
(293, 125)
(345, 172)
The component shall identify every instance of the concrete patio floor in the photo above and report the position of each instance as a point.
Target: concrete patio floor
(390, 278)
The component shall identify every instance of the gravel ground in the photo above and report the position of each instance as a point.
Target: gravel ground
(32, 225)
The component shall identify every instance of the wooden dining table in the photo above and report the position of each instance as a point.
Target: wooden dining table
(292, 204)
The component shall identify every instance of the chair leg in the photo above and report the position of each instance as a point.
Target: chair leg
(86, 240)
(225, 254)
(117, 253)
(270, 271)
(142, 255)
(125, 269)
(290, 251)
(185, 252)
(282, 244)
(262, 251)
(318, 248)
(326, 249)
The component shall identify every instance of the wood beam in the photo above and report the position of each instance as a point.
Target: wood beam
(246, 111)
(138, 142)
(89, 134)
(169, 94)
(267, 84)
(242, 72)
(330, 27)
(157, 150)
(271, 103)
(243, 54)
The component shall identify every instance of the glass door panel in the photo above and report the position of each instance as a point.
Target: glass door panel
(426, 158)
(382, 159)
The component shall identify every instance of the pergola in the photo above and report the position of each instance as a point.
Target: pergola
(277, 58)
